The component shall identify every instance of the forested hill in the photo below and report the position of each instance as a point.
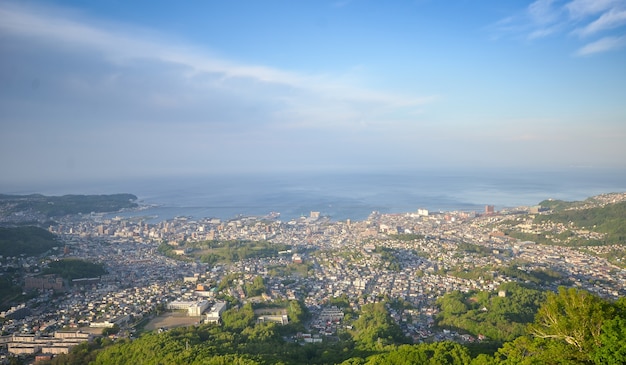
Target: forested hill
(570, 326)
(29, 241)
(35, 206)
(596, 221)
(609, 219)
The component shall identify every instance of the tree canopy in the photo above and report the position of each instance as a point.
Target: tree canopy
(571, 327)
(375, 328)
(30, 241)
(74, 269)
(484, 313)
(56, 206)
(609, 219)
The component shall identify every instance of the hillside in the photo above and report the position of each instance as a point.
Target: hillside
(570, 327)
(609, 220)
(29, 241)
(74, 269)
(596, 221)
(36, 206)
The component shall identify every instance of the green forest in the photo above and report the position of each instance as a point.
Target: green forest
(56, 206)
(526, 326)
(29, 241)
(9, 293)
(499, 318)
(610, 219)
(214, 252)
(74, 269)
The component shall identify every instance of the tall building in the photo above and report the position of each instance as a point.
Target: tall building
(489, 209)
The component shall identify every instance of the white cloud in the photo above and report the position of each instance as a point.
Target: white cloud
(164, 103)
(585, 18)
(602, 45)
(543, 12)
(585, 8)
(609, 20)
(127, 46)
(123, 46)
(540, 19)
(543, 32)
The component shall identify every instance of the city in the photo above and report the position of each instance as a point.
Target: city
(414, 257)
(347, 182)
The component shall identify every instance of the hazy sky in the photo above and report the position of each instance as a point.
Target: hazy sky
(146, 88)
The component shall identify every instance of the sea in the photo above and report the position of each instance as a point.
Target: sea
(343, 195)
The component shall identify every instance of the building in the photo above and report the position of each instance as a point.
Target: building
(331, 314)
(110, 322)
(60, 343)
(193, 308)
(214, 315)
(281, 319)
(181, 252)
(191, 279)
(196, 309)
(489, 209)
(44, 282)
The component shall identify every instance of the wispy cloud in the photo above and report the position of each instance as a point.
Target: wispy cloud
(81, 83)
(602, 45)
(543, 32)
(197, 66)
(605, 19)
(122, 46)
(609, 20)
(543, 12)
(584, 8)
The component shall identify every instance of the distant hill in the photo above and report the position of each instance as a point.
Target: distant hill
(30, 241)
(41, 206)
(557, 205)
(609, 219)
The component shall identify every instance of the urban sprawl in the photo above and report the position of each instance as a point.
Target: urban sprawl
(327, 259)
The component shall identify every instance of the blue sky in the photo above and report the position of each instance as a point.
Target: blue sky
(117, 89)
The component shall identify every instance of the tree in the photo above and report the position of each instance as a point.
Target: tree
(527, 350)
(438, 353)
(484, 359)
(238, 319)
(453, 303)
(297, 311)
(375, 327)
(30, 241)
(257, 287)
(111, 330)
(574, 316)
(612, 339)
(498, 318)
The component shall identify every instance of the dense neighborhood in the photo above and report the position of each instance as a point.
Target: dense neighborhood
(414, 257)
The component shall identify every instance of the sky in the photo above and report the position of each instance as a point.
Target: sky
(121, 89)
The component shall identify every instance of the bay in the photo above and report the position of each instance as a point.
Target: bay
(346, 195)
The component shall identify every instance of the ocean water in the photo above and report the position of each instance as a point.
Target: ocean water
(347, 195)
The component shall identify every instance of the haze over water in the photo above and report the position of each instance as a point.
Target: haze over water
(342, 195)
